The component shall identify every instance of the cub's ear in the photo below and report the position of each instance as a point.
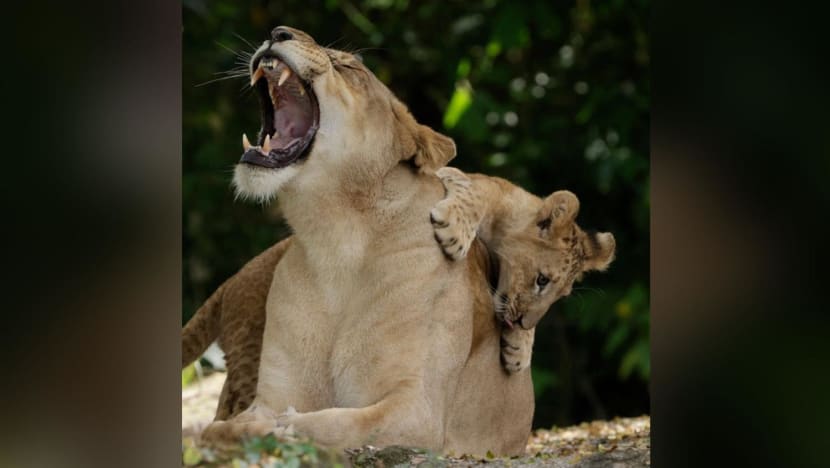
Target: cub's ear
(599, 250)
(432, 150)
(558, 210)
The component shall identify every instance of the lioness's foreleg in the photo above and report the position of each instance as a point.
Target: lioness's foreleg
(391, 421)
(255, 421)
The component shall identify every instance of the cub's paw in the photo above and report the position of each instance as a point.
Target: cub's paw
(454, 219)
(516, 349)
(452, 231)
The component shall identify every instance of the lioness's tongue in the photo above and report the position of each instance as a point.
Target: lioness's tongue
(293, 114)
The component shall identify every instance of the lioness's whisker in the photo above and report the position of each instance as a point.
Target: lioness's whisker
(366, 49)
(227, 48)
(235, 52)
(232, 72)
(331, 44)
(246, 41)
(220, 79)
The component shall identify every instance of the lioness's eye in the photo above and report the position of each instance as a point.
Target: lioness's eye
(542, 280)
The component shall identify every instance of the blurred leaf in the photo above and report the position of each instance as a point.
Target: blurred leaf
(636, 358)
(459, 103)
(616, 339)
(191, 456)
(188, 375)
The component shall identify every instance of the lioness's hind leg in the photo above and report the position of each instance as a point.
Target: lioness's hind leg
(456, 218)
(516, 348)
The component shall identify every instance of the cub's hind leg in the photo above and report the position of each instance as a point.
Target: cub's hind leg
(242, 313)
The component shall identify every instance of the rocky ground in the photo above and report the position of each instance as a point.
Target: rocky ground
(622, 442)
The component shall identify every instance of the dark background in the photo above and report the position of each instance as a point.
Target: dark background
(550, 96)
(92, 276)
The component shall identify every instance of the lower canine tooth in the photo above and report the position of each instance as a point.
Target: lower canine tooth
(246, 145)
(284, 76)
(267, 145)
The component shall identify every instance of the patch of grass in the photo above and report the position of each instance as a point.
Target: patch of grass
(188, 375)
(262, 452)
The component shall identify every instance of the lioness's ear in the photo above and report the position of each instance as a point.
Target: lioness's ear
(432, 150)
(558, 210)
(599, 250)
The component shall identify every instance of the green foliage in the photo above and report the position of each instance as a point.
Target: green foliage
(550, 95)
(188, 375)
(265, 451)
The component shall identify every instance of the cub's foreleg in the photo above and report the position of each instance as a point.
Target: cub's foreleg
(456, 218)
(456, 221)
(516, 348)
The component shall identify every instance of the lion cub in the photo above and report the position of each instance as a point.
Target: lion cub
(540, 249)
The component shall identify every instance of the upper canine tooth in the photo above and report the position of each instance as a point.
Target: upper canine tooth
(257, 75)
(267, 145)
(284, 76)
(246, 145)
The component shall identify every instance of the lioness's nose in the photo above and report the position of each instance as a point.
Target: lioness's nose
(281, 34)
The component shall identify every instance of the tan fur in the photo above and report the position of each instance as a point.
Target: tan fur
(530, 236)
(371, 334)
(235, 315)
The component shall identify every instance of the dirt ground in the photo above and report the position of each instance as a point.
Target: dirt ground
(621, 442)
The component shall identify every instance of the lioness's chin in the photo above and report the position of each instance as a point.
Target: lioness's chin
(260, 184)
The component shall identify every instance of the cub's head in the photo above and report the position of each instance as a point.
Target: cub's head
(539, 263)
(326, 117)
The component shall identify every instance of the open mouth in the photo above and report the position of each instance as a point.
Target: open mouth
(290, 115)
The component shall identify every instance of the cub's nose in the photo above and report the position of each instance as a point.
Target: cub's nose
(281, 34)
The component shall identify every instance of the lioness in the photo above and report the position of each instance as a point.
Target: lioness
(371, 334)
(536, 265)
(540, 249)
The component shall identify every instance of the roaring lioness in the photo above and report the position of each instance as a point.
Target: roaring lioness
(537, 266)
(371, 333)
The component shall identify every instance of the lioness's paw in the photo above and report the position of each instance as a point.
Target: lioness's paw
(516, 349)
(454, 218)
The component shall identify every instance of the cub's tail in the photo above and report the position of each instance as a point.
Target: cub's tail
(203, 328)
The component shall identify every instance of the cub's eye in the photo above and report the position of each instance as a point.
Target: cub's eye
(542, 280)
